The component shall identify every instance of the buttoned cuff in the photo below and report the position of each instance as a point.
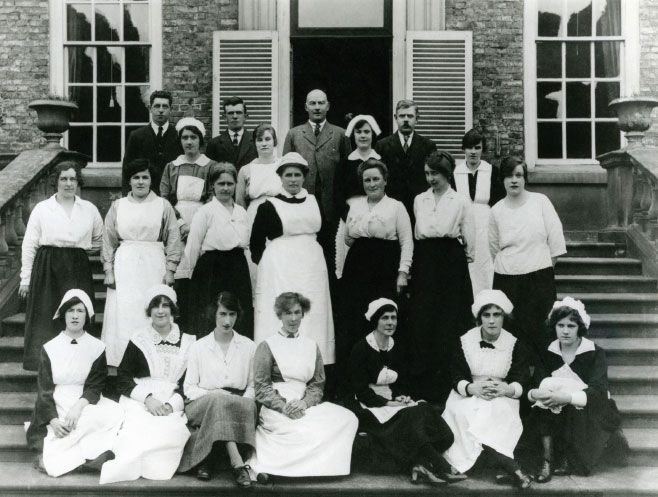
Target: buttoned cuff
(518, 389)
(139, 393)
(579, 399)
(461, 387)
(176, 402)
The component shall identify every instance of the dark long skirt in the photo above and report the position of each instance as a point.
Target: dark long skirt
(533, 295)
(402, 436)
(55, 271)
(370, 272)
(215, 272)
(218, 417)
(441, 299)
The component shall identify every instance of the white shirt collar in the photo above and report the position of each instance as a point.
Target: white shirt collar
(173, 337)
(288, 335)
(54, 204)
(355, 155)
(462, 168)
(302, 193)
(154, 127)
(201, 161)
(586, 345)
(239, 133)
(401, 137)
(313, 125)
(372, 341)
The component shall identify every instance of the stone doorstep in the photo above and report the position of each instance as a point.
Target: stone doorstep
(22, 478)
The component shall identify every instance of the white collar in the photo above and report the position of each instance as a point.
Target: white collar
(462, 168)
(313, 125)
(55, 204)
(355, 155)
(165, 127)
(233, 132)
(201, 161)
(449, 193)
(586, 345)
(173, 337)
(372, 341)
(288, 335)
(303, 193)
(401, 137)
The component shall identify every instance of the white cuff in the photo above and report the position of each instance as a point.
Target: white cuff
(139, 393)
(461, 387)
(518, 390)
(181, 222)
(579, 399)
(249, 393)
(176, 402)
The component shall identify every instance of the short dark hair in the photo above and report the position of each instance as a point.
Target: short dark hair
(560, 313)
(261, 129)
(359, 124)
(508, 165)
(234, 101)
(160, 94)
(194, 130)
(374, 319)
(478, 319)
(472, 138)
(441, 162)
(161, 299)
(216, 170)
(61, 319)
(230, 301)
(405, 104)
(287, 300)
(65, 166)
(372, 164)
(138, 166)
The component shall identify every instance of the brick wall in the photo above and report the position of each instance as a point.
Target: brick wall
(24, 70)
(187, 52)
(497, 28)
(649, 59)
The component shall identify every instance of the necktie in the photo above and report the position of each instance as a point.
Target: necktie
(405, 147)
(159, 133)
(316, 131)
(486, 345)
(235, 140)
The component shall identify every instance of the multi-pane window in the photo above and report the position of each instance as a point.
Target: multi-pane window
(107, 71)
(579, 48)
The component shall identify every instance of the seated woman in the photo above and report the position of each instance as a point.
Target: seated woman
(72, 424)
(297, 434)
(219, 385)
(488, 372)
(575, 415)
(412, 433)
(150, 379)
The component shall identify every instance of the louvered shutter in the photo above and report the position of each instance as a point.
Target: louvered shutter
(440, 81)
(245, 65)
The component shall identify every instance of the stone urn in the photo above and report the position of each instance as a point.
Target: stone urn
(53, 117)
(634, 117)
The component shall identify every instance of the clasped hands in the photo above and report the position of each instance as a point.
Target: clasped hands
(157, 408)
(295, 409)
(61, 428)
(401, 401)
(489, 388)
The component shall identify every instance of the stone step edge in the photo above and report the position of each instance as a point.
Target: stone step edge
(611, 297)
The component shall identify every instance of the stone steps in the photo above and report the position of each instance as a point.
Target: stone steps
(624, 325)
(630, 351)
(632, 303)
(595, 249)
(598, 265)
(633, 380)
(605, 283)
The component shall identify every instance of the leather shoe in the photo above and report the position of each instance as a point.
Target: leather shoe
(241, 476)
(521, 480)
(545, 474)
(203, 472)
(263, 478)
(562, 468)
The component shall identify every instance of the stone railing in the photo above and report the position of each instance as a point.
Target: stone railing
(24, 182)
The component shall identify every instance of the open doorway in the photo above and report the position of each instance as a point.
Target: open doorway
(355, 72)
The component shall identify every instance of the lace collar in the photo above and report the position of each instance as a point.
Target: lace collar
(370, 339)
(173, 337)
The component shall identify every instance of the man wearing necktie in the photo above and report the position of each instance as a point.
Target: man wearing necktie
(157, 142)
(235, 144)
(404, 153)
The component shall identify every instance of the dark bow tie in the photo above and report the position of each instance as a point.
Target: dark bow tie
(486, 345)
(74, 342)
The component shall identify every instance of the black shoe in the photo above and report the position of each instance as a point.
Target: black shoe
(38, 464)
(562, 468)
(203, 472)
(93, 465)
(241, 476)
(263, 478)
(420, 473)
(545, 474)
(453, 477)
(521, 480)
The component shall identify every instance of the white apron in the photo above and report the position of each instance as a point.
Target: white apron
(317, 444)
(139, 264)
(481, 269)
(151, 446)
(294, 262)
(98, 424)
(476, 422)
(189, 190)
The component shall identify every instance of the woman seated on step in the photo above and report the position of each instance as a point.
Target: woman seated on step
(72, 424)
(150, 381)
(297, 434)
(572, 409)
(219, 387)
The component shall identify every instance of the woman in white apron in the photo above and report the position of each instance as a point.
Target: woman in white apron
(72, 423)
(297, 434)
(488, 374)
(292, 260)
(258, 180)
(141, 248)
(480, 181)
(150, 376)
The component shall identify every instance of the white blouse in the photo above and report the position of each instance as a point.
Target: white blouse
(208, 368)
(215, 228)
(387, 220)
(524, 239)
(450, 217)
(49, 224)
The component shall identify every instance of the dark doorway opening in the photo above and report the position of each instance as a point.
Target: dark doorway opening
(355, 73)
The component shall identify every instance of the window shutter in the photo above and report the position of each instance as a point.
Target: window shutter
(245, 65)
(440, 81)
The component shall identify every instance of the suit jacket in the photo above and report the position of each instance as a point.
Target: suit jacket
(406, 172)
(323, 155)
(221, 149)
(141, 145)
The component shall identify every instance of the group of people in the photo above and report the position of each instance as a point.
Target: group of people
(346, 237)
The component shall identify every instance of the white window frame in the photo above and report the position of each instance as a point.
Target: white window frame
(57, 14)
(629, 72)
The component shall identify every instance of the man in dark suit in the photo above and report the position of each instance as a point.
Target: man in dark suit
(157, 141)
(404, 153)
(236, 144)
